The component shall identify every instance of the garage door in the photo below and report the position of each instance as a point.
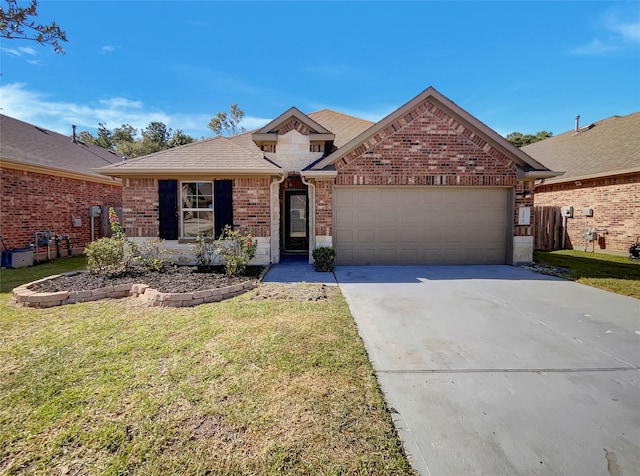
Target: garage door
(421, 225)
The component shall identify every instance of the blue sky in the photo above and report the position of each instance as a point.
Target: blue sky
(524, 66)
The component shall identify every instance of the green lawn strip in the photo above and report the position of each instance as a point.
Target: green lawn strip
(613, 273)
(14, 277)
(238, 387)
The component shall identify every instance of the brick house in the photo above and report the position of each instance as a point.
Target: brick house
(428, 184)
(601, 164)
(48, 184)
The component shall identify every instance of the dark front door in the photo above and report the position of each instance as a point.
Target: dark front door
(296, 225)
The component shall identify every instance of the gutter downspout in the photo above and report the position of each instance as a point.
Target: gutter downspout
(274, 198)
(312, 216)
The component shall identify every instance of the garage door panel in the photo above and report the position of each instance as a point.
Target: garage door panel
(420, 225)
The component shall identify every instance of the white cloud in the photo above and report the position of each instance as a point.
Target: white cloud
(620, 30)
(251, 123)
(39, 109)
(20, 51)
(108, 49)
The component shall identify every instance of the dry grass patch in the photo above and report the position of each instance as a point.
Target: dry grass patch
(245, 386)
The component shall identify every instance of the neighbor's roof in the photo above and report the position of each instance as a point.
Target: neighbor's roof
(610, 147)
(25, 146)
(217, 155)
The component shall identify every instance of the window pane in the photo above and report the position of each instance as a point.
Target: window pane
(197, 223)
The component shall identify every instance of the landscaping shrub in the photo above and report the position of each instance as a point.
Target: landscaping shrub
(204, 252)
(153, 254)
(105, 256)
(236, 249)
(324, 258)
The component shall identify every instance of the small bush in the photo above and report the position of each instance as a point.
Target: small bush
(204, 251)
(153, 254)
(236, 249)
(105, 256)
(324, 258)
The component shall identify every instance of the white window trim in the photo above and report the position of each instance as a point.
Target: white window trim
(181, 210)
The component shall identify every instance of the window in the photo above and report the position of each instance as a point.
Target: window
(196, 209)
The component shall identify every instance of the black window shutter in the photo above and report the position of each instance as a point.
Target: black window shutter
(168, 209)
(222, 205)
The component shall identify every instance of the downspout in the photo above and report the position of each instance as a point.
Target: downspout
(312, 216)
(274, 198)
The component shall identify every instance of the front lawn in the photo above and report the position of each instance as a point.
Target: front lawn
(244, 386)
(617, 274)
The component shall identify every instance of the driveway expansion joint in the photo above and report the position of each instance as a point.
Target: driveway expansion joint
(473, 371)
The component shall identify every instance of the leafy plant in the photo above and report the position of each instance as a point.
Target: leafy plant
(324, 258)
(236, 248)
(153, 254)
(105, 256)
(204, 251)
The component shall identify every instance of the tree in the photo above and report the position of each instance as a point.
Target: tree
(519, 139)
(124, 140)
(18, 23)
(227, 123)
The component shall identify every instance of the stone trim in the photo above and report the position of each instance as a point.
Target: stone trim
(24, 296)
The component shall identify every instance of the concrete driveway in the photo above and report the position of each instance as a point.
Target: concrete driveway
(497, 370)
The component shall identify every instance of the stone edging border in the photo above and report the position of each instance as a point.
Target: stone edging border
(142, 292)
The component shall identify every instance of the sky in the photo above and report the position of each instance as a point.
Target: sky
(516, 66)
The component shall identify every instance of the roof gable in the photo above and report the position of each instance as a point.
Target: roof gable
(456, 118)
(291, 119)
(610, 147)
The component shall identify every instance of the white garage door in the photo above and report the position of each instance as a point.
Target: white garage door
(421, 225)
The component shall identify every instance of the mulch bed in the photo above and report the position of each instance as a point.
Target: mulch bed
(180, 279)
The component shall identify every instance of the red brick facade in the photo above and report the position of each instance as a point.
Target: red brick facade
(428, 147)
(37, 202)
(324, 207)
(616, 206)
(251, 209)
(250, 206)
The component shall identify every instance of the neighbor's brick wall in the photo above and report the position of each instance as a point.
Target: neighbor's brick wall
(251, 199)
(33, 202)
(616, 206)
(324, 207)
(250, 206)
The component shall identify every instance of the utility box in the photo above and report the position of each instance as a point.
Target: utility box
(95, 211)
(567, 211)
(17, 258)
(591, 235)
(587, 212)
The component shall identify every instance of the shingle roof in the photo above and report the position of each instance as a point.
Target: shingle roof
(24, 143)
(610, 147)
(345, 127)
(236, 154)
(215, 155)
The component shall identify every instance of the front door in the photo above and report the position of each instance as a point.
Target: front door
(296, 229)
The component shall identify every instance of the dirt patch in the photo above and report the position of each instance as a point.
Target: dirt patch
(294, 292)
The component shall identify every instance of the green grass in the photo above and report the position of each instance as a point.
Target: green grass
(243, 386)
(613, 273)
(13, 277)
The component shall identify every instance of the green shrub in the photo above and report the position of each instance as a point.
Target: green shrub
(105, 256)
(153, 254)
(236, 249)
(324, 258)
(204, 251)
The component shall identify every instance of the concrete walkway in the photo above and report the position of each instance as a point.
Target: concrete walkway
(296, 269)
(497, 370)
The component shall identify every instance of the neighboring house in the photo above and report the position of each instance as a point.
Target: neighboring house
(428, 184)
(601, 164)
(48, 184)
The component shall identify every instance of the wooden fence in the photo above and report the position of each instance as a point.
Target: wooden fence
(547, 228)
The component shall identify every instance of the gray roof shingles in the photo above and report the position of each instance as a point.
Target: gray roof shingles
(611, 146)
(31, 145)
